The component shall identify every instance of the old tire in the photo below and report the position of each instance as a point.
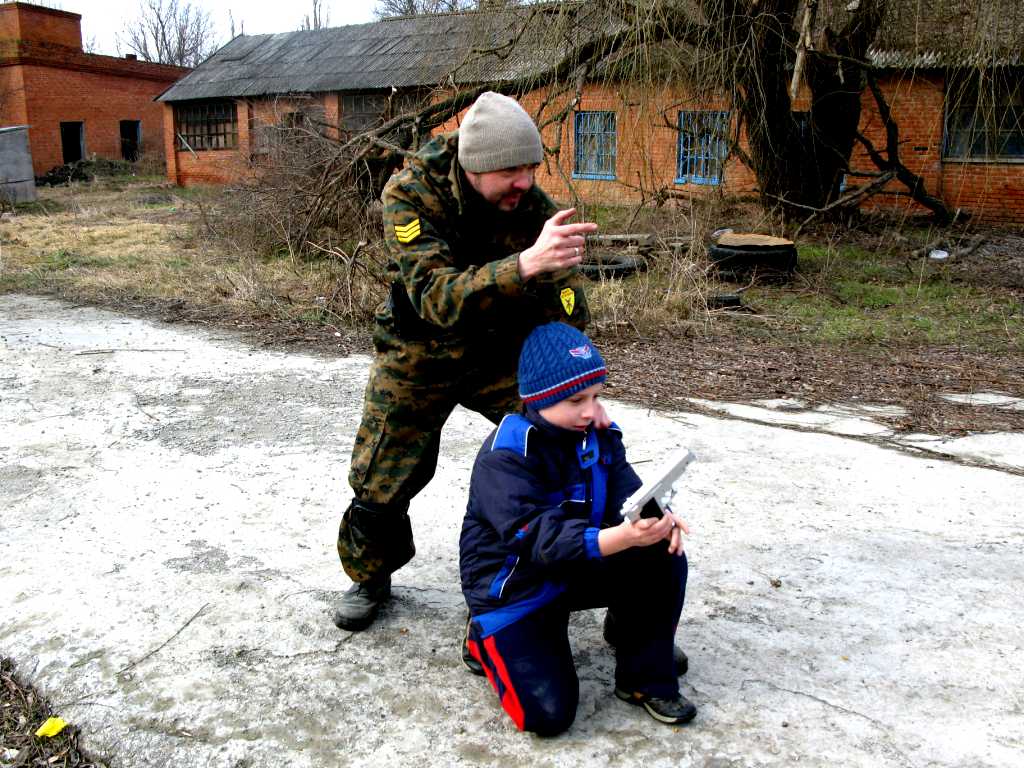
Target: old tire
(742, 262)
(612, 266)
(725, 301)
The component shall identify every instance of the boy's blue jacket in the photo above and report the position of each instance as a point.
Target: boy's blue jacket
(532, 521)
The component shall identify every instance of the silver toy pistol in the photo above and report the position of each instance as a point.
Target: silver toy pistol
(656, 494)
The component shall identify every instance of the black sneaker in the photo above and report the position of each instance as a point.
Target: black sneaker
(680, 658)
(468, 658)
(672, 711)
(359, 605)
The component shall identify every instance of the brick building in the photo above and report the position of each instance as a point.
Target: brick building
(621, 140)
(76, 104)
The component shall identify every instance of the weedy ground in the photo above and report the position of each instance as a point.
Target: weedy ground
(865, 318)
(22, 712)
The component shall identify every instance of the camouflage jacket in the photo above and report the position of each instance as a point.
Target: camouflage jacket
(454, 257)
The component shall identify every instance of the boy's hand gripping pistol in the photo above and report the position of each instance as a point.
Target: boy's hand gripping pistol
(656, 494)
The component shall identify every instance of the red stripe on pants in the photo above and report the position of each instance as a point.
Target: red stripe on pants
(474, 651)
(510, 701)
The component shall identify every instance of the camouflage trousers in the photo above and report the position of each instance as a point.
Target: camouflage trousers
(413, 388)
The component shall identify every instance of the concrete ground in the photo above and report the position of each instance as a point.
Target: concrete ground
(170, 498)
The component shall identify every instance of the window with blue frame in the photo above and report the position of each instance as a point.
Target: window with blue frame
(595, 146)
(985, 115)
(702, 146)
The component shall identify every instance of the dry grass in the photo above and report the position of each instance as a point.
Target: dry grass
(144, 245)
(670, 296)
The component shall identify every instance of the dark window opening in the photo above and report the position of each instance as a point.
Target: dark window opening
(985, 115)
(363, 111)
(296, 121)
(702, 146)
(131, 140)
(594, 157)
(206, 125)
(72, 142)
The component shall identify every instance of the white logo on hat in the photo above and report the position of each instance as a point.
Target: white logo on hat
(582, 352)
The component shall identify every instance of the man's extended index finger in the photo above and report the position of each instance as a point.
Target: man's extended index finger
(581, 228)
(561, 216)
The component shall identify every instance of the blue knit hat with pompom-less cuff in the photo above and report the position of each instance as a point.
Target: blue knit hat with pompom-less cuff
(556, 361)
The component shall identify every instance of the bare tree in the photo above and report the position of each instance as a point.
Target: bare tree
(387, 9)
(170, 32)
(232, 33)
(319, 19)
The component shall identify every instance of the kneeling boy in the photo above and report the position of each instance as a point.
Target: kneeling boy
(542, 537)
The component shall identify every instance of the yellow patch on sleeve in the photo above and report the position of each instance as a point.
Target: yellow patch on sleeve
(409, 232)
(568, 297)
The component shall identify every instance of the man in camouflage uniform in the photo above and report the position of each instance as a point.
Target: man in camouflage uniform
(479, 257)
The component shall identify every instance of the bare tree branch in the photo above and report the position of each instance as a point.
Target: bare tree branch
(388, 9)
(914, 183)
(320, 18)
(170, 32)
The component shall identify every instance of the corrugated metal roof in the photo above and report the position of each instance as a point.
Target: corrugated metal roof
(945, 33)
(403, 52)
(929, 59)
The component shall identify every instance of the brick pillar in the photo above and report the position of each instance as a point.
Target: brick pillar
(332, 115)
(244, 117)
(170, 151)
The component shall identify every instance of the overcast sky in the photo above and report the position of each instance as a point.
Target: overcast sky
(103, 19)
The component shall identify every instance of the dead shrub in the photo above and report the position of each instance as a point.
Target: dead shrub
(333, 244)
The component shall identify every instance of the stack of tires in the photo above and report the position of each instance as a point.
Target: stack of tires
(744, 257)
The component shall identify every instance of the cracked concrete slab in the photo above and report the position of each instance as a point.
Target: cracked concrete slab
(170, 498)
(986, 400)
(1005, 449)
(844, 419)
(996, 449)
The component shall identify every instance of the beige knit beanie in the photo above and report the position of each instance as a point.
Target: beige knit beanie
(498, 133)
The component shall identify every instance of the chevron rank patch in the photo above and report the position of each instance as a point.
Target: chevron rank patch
(568, 297)
(409, 232)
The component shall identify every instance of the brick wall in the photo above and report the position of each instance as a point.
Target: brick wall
(12, 97)
(987, 190)
(646, 147)
(226, 165)
(210, 166)
(100, 102)
(916, 101)
(646, 150)
(46, 79)
(32, 23)
(992, 191)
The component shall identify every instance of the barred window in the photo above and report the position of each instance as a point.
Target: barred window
(362, 111)
(365, 111)
(206, 125)
(702, 146)
(985, 115)
(595, 146)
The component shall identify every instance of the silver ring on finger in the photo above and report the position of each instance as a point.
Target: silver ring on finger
(577, 249)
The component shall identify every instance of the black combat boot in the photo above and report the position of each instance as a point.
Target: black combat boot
(681, 659)
(359, 605)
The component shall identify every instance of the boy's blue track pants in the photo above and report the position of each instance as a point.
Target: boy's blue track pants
(530, 665)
